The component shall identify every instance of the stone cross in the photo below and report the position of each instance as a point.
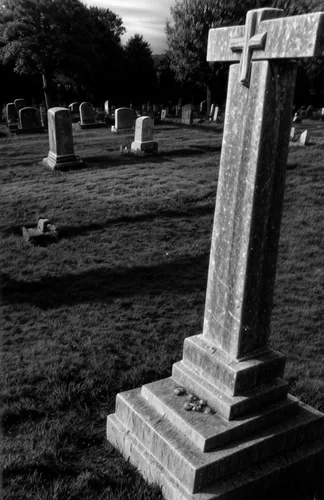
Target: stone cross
(252, 172)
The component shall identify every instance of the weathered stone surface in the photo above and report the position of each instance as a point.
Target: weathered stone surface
(258, 431)
(304, 138)
(29, 120)
(186, 114)
(61, 149)
(12, 116)
(124, 120)
(196, 470)
(44, 232)
(213, 430)
(143, 141)
(19, 103)
(235, 377)
(287, 38)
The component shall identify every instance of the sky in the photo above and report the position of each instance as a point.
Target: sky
(145, 17)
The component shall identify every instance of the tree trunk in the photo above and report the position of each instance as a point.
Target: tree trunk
(47, 88)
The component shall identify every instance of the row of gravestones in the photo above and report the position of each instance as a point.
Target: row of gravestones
(61, 149)
(22, 118)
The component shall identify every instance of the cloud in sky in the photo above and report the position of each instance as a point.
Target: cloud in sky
(145, 17)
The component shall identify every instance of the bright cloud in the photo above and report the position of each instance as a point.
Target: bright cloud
(145, 17)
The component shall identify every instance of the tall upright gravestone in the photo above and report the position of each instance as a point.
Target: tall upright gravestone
(61, 149)
(249, 431)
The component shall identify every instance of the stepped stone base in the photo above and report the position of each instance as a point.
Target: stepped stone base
(144, 147)
(63, 162)
(198, 456)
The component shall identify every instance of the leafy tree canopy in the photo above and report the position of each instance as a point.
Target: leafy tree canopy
(187, 35)
(50, 36)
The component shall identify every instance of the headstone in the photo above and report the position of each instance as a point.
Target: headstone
(87, 119)
(304, 138)
(297, 118)
(164, 114)
(292, 134)
(203, 107)
(309, 111)
(107, 107)
(322, 114)
(29, 120)
(61, 149)
(223, 426)
(74, 109)
(12, 116)
(124, 120)
(20, 103)
(43, 115)
(186, 114)
(211, 111)
(215, 115)
(143, 141)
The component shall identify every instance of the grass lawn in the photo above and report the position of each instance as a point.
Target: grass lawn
(106, 307)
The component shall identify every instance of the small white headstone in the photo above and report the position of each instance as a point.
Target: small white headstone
(143, 141)
(163, 114)
(107, 107)
(215, 115)
(304, 138)
(292, 134)
(124, 120)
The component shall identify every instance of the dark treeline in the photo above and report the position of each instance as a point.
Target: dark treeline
(60, 51)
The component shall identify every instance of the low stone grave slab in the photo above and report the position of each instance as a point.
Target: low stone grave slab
(44, 231)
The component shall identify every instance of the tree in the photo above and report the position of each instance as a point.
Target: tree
(50, 37)
(187, 35)
(141, 69)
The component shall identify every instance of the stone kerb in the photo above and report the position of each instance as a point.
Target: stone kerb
(124, 120)
(61, 149)
(29, 121)
(143, 140)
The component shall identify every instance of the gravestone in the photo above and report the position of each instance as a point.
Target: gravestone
(43, 115)
(29, 121)
(203, 107)
(20, 104)
(61, 149)
(87, 119)
(12, 116)
(215, 115)
(164, 114)
(211, 111)
(292, 134)
(186, 114)
(107, 107)
(239, 431)
(297, 117)
(322, 114)
(143, 140)
(304, 138)
(74, 109)
(124, 120)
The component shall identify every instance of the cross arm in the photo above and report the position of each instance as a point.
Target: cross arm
(287, 37)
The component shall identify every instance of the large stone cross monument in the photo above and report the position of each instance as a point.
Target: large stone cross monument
(224, 426)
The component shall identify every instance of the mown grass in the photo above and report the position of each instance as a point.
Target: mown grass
(106, 307)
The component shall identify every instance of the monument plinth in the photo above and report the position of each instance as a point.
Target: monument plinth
(250, 431)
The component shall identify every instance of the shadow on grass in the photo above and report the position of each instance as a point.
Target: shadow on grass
(66, 232)
(107, 284)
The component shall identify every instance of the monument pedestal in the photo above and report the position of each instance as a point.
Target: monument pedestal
(199, 455)
(62, 162)
(144, 147)
(224, 426)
